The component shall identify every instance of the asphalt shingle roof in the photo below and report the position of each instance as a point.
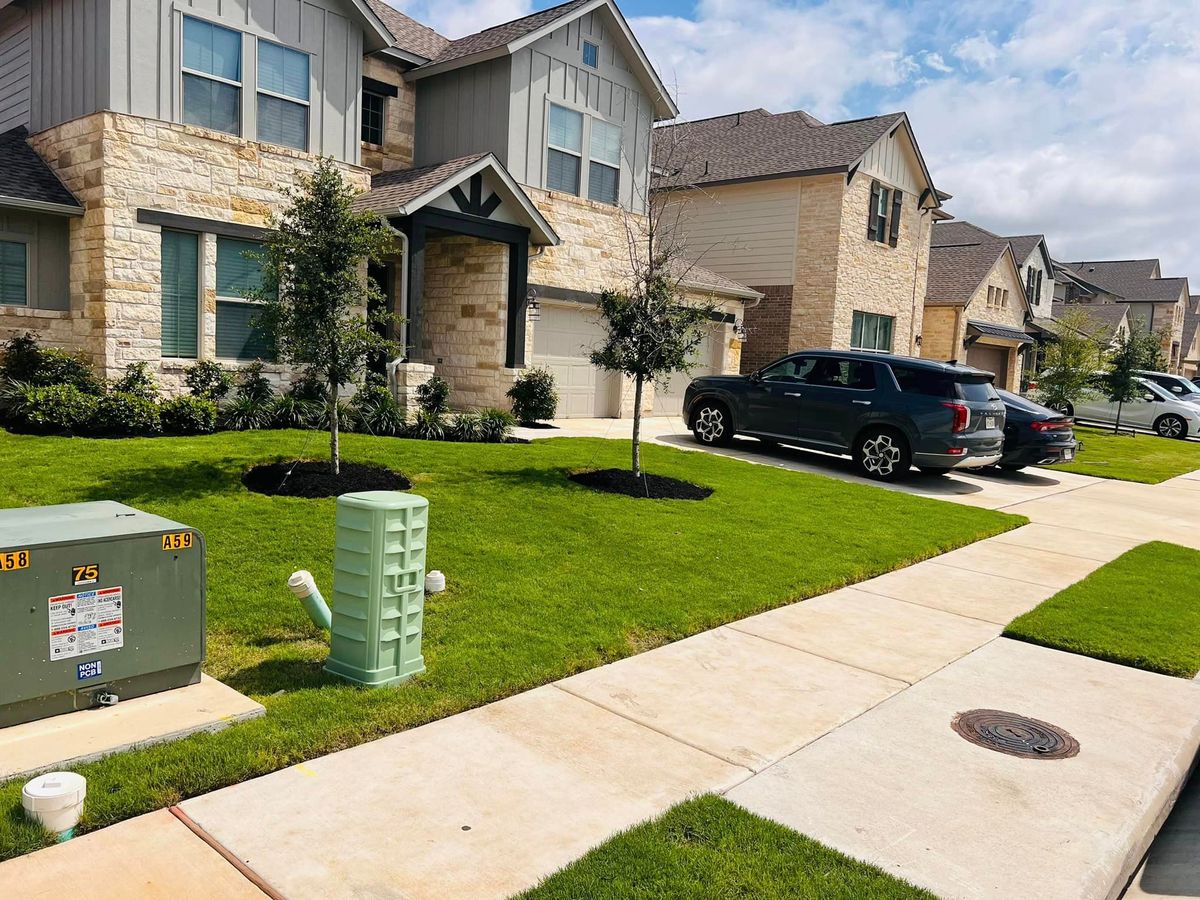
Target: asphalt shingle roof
(1023, 245)
(1108, 315)
(960, 257)
(700, 278)
(391, 190)
(1191, 319)
(25, 176)
(759, 144)
(506, 33)
(409, 34)
(1130, 279)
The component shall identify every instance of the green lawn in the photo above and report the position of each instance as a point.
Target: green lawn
(708, 847)
(1147, 458)
(1141, 609)
(546, 578)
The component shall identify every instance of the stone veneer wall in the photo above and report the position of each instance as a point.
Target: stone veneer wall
(64, 329)
(942, 336)
(116, 164)
(876, 277)
(399, 127)
(814, 294)
(768, 325)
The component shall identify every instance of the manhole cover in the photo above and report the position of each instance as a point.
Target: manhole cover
(1007, 732)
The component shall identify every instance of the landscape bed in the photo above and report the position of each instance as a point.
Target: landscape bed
(1139, 610)
(1145, 458)
(545, 577)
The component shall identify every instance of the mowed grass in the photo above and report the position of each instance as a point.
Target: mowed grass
(546, 578)
(1145, 458)
(1142, 609)
(708, 847)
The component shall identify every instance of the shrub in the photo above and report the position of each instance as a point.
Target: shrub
(345, 416)
(376, 411)
(121, 414)
(23, 360)
(54, 409)
(433, 396)
(253, 385)
(246, 413)
(427, 427)
(495, 425)
(533, 396)
(138, 381)
(208, 379)
(189, 415)
(290, 411)
(309, 387)
(466, 427)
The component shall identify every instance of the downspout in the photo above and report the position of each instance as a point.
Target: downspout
(912, 341)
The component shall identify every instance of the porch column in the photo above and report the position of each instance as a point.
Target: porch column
(518, 288)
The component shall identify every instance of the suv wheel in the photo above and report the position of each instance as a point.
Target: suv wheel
(712, 424)
(882, 454)
(1171, 427)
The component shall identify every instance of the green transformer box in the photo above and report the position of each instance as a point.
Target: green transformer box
(99, 602)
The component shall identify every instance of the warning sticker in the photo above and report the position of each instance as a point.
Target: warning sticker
(87, 622)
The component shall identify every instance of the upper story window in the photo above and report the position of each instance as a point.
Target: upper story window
(883, 214)
(997, 298)
(604, 166)
(565, 153)
(869, 331)
(591, 55)
(212, 76)
(14, 273)
(282, 95)
(373, 106)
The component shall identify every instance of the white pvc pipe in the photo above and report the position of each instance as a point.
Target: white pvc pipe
(304, 586)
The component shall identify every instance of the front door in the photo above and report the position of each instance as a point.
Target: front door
(773, 400)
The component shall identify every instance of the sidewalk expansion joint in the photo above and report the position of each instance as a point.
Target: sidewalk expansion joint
(733, 626)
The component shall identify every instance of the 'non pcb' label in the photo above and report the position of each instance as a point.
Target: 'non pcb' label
(86, 622)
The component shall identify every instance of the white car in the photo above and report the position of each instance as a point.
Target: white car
(1174, 384)
(1154, 408)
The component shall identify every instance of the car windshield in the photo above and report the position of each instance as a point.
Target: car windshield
(1018, 402)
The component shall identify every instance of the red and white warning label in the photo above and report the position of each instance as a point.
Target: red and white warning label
(87, 622)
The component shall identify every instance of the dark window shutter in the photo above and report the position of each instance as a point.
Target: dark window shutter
(1037, 288)
(873, 213)
(894, 229)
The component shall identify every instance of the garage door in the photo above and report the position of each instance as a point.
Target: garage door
(668, 401)
(990, 359)
(563, 337)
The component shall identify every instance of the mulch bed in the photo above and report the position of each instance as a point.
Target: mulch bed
(312, 478)
(653, 487)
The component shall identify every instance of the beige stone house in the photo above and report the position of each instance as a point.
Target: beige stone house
(976, 308)
(1191, 339)
(143, 146)
(831, 222)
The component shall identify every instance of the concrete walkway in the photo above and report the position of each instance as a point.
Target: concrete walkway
(831, 716)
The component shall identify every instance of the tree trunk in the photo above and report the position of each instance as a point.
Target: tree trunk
(637, 426)
(1117, 426)
(335, 456)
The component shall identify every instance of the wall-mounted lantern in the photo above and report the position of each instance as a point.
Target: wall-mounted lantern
(533, 309)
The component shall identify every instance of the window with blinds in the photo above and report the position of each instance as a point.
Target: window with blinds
(180, 293)
(14, 273)
(212, 76)
(282, 95)
(869, 331)
(238, 273)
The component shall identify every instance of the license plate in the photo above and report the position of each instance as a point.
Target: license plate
(989, 422)
(1068, 455)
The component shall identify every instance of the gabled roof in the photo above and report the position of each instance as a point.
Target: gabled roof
(757, 144)
(509, 37)
(1106, 315)
(1130, 279)
(698, 278)
(26, 182)
(1024, 244)
(1191, 321)
(420, 42)
(404, 191)
(961, 256)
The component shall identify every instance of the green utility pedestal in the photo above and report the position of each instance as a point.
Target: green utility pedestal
(378, 587)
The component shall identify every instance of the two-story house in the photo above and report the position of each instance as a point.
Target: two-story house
(831, 222)
(161, 134)
(976, 309)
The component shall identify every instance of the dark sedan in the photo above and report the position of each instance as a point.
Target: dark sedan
(1035, 435)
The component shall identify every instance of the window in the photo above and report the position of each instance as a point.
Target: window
(237, 274)
(566, 150)
(789, 371)
(591, 55)
(14, 273)
(372, 117)
(604, 168)
(883, 214)
(282, 96)
(180, 293)
(869, 331)
(212, 76)
(843, 373)
(927, 382)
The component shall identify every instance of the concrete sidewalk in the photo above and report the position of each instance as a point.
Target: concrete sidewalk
(832, 715)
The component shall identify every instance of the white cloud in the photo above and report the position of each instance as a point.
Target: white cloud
(977, 50)
(935, 62)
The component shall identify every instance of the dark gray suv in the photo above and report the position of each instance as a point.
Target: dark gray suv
(887, 412)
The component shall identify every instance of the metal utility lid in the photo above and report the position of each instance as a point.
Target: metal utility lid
(71, 522)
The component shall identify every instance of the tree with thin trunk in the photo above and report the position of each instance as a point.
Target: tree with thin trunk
(1072, 357)
(315, 293)
(1121, 382)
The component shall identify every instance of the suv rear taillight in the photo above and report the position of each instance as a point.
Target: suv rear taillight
(962, 416)
(1050, 426)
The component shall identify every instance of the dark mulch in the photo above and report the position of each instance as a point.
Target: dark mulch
(654, 487)
(314, 478)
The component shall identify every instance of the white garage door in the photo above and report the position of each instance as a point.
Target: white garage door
(668, 400)
(563, 338)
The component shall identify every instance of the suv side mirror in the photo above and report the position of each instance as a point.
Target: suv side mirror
(756, 376)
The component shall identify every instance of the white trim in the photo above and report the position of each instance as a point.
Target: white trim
(8, 202)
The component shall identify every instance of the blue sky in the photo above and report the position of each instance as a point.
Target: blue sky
(1072, 118)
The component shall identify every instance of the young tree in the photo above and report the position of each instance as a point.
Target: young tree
(651, 334)
(1153, 357)
(1072, 358)
(315, 292)
(1120, 382)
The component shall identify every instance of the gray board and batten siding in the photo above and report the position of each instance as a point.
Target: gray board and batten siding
(125, 56)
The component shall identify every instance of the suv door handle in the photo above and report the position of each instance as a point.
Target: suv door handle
(862, 402)
(792, 394)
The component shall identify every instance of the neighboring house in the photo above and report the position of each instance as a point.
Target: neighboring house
(830, 222)
(145, 145)
(976, 310)
(1155, 303)
(1037, 273)
(1108, 323)
(1191, 338)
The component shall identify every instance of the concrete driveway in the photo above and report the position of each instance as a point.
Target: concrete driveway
(990, 489)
